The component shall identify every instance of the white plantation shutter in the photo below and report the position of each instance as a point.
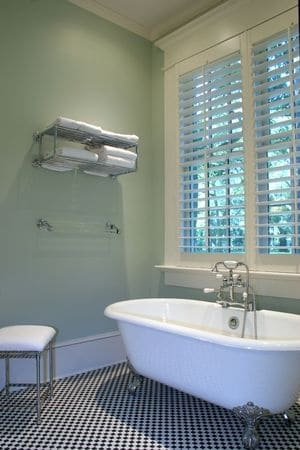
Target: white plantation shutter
(276, 81)
(212, 159)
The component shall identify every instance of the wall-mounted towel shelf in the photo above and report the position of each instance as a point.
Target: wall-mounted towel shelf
(92, 150)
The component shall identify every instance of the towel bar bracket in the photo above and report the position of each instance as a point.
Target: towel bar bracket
(43, 224)
(112, 228)
(36, 163)
(36, 136)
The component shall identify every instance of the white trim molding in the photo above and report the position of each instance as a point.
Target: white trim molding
(218, 25)
(89, 353)
(71, 357)
(271, 284)
(150, 30)
(112, 16)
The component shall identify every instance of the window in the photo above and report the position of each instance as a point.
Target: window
(212, 207)
(276, 81)
(212, 173)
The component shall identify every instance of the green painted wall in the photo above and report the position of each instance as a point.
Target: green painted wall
(58, 59)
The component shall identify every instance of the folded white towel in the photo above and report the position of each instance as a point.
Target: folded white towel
(56, 166)
(118, 162)
(130, 138)
(77, 153)
(107, 150)
(67, 123)
(94, 130)
(97, 173)
(77, 125)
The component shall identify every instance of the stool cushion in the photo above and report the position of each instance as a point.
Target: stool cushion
(33, 338)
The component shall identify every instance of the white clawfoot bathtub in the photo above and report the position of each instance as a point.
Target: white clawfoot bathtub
(188, 344)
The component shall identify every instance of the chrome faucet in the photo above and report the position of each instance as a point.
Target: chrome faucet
(233, 281)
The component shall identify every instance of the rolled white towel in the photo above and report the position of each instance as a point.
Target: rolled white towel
(107, 150)
(118, 162)
(77, 153)
(130, 138)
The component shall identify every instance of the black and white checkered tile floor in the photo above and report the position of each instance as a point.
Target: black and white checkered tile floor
(94, 411)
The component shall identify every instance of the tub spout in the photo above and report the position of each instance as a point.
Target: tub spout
(208, 290)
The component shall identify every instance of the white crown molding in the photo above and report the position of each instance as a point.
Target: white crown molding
(154, 32)
(193, 25)
(217, 25)
(112, 16)
(181, 19)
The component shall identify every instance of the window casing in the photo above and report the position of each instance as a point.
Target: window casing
(180, 243)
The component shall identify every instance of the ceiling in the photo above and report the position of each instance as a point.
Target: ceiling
(151, 19)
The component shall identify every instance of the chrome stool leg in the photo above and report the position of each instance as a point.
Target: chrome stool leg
(51, 369)
(7, 377)
(38, 388)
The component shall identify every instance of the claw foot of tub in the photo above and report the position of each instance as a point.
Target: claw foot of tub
(250, 437)
(136, 379)
(134, 384)
(288, 417)
(251, 415)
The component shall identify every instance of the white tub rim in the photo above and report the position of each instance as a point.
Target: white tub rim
(112, 312)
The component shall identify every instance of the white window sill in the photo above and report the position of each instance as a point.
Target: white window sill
(273, 284)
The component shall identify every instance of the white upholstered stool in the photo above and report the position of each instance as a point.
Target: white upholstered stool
(28, 341)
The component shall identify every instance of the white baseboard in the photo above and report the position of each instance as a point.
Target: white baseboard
(70, 357)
